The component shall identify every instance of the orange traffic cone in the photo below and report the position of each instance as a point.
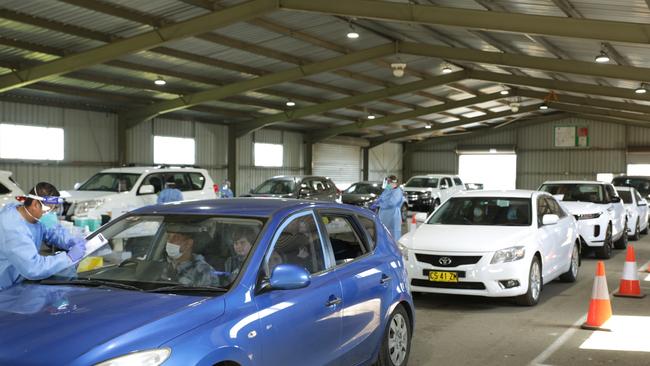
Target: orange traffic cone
(414, 224)
(630, 285)
(600, 309)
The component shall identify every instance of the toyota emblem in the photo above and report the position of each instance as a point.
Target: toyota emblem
(445, 261)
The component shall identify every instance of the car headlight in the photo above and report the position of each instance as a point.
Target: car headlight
(83, 207)
(425, 194)
(589, 216)
(508, 255)
(404, 250)
(152, 357)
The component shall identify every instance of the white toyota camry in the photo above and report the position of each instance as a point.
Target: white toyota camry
(495, 244)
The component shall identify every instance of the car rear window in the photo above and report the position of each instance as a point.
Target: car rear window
(198, 180)
(641, 185)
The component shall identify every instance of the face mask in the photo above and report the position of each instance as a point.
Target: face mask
(49, 220)
(173, 250)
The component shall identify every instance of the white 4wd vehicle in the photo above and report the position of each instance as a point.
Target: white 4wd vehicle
(425, 193)
(113, 192)
(8, 188)
(601, 216)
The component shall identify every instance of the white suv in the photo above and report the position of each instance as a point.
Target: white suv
(113, 192)
(8, 188)
(426, 192)
(601, 216)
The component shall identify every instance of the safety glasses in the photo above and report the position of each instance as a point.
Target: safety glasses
(46, 200)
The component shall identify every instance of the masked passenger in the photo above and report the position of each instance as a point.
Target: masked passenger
(185, 266)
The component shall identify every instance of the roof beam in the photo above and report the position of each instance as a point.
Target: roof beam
(322, 135)
(140, 42)
(569, 86)
(251, 126)
(602, 103)
(532, 62)
(260, 82)
(601, 30)
(443, 126)
(645, 119)
(496, 129)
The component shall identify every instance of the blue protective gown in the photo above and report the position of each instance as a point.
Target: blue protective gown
(390, 204)
(19, 244)
(170, 195)
(226, 192)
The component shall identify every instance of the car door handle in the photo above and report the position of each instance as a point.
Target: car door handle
(384, 279)
(333, 301)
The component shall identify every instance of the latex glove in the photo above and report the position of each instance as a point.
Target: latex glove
(73, 241)
(77, 251)
(373, 206)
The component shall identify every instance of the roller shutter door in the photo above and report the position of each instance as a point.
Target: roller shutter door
(342, 163)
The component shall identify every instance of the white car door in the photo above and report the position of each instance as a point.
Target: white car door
(548, 239)
(566, 235)
(642, 206)
(616, 210)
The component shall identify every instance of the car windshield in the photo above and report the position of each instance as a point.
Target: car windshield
(110, 182)
(641, 185)
(171, 252)
(626, 196)
(364, 188)
(276, 186)
(491, 211)
(422, 183)
(576, 192)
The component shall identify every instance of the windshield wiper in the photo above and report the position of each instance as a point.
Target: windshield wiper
(184, 288)
(91, 282)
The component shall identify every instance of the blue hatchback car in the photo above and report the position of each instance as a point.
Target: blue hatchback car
(221, 282)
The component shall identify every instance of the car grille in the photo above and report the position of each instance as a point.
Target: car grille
(412, 197)
(454, 260)
(450, 285)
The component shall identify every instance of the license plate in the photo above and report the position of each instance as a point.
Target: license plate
(437, 276)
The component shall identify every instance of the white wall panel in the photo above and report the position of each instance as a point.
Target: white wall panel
(342, 163)
(173, 128)
(139, 140)
(385, 160)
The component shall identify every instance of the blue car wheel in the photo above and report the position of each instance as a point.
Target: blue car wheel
(396, 344)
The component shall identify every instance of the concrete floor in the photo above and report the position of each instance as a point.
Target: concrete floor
(467, 330)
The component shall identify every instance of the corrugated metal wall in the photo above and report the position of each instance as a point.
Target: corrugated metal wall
(537, 158)
(90, 143)
(249, 176)
(385, 160)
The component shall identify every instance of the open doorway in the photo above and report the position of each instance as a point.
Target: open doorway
(495, 171)
(638, 169)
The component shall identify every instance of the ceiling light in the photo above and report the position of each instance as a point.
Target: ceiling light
(290, 103)
(398, 69)
(641, 89)
(352, 33)
(602, 58)
(427, 126)
(543, 106)
(446, 69)
(504, 92)
(371, 116)
(160, 81)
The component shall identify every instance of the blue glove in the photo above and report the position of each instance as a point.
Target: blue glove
(73, 241)
(373, 206)
(77, 251)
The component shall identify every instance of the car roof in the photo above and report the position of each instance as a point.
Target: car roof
(514, 193)
(574, 182)
(633, 177)
(245, 207)
(5, 173)
(147, 169)
(433, 176)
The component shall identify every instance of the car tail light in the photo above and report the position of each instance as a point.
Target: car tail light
(215, 187)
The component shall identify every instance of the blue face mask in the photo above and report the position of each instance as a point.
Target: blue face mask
(49, 220)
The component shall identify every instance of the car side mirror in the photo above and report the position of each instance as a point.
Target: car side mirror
(616, 199)
(550, 219)
(146, 189)
(642, 203)
(76, 186)
(289, 277)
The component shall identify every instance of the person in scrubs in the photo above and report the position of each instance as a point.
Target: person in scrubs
(22, 231)
(390, 204)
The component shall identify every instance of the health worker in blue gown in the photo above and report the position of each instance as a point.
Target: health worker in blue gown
(24, 227)
(390, 204)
